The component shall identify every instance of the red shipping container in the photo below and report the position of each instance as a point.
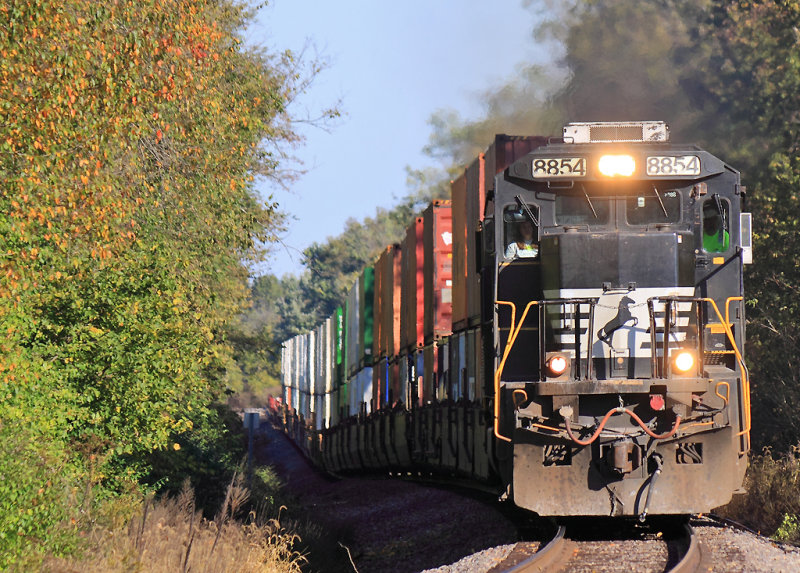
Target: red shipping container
(378, 340)
(438, 269)
(395, 289)
(412, 311)
(458, 192)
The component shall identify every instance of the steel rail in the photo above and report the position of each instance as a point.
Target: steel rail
(693, 558)
(550, 557)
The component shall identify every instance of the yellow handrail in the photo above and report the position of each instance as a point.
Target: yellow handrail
(727, 397)
(512, 337)
(728, 307)
(745, 374)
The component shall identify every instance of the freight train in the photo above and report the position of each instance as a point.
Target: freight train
(567, 328)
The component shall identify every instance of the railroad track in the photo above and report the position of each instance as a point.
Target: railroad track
(679, 551)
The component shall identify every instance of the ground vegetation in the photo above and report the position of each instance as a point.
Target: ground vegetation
(132, 138)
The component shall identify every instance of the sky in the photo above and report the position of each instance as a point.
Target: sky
(392, 64)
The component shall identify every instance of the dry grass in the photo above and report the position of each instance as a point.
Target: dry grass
(170, 535)
(772, 502)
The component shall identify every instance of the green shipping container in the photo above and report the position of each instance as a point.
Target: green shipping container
(367, 304)
(339, 347)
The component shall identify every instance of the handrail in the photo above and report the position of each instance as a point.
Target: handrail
(745, 390)
(661, 370)
(745, 374)
(728, 307)
(512, 337)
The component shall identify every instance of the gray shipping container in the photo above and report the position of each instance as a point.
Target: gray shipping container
(298, 376)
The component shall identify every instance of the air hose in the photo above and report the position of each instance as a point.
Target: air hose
(659, 467)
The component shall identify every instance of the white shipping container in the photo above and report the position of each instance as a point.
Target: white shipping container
(297, 361)
(302, 378)
(404, 371)
(297, 364)
(329, 355)
(365, 385)
(327, 412)
(310, 373)
(354, 395)
(474, 363)
(319, 416)
(285, 370)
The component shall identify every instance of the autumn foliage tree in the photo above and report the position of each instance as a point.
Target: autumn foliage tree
(131, 137)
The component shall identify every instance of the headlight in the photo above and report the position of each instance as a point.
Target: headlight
(613, 165)
(557, 365)
(684, 361)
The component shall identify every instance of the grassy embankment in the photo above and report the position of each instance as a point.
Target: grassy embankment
(772, 502)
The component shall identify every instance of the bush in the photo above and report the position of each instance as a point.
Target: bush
(36, 500)
(171, 535)
(772, 502)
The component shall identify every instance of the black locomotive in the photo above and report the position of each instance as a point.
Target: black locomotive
(593, 361)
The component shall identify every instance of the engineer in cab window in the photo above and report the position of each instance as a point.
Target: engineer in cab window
(524, 246)
(716, 238)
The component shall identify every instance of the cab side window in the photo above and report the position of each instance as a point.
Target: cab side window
(716, 225)
(521, 236)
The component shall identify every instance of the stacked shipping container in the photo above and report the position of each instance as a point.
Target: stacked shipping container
(426, 345)
(469, 195)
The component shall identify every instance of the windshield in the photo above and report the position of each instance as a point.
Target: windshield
(582, 210)
(654, 206)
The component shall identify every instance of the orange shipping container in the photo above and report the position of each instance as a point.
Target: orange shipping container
(387, 303)
(412, 305)
(470, 191)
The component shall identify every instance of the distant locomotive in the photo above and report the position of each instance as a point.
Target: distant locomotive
(568, 328)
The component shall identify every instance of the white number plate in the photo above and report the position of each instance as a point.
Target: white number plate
(546, 168)
(672, 165)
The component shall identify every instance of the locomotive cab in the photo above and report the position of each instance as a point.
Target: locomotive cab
(618, 327)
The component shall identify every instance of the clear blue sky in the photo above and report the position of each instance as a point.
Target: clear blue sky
(393, 64)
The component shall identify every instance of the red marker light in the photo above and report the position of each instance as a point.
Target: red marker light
(657, 402)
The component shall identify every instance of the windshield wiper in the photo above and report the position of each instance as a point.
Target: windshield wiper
(527, 210)
(585, 194)
(660, 202)
(720, 210)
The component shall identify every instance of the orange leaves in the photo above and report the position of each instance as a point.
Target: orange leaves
(159, 135)
(101, 253)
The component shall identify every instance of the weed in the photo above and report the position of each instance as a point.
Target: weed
(772, 502)
(170, 534)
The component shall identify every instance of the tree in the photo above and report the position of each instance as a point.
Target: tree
(131, 138)
(757, 82)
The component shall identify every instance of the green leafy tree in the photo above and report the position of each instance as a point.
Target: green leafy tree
(757, 83)
(131, 138)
